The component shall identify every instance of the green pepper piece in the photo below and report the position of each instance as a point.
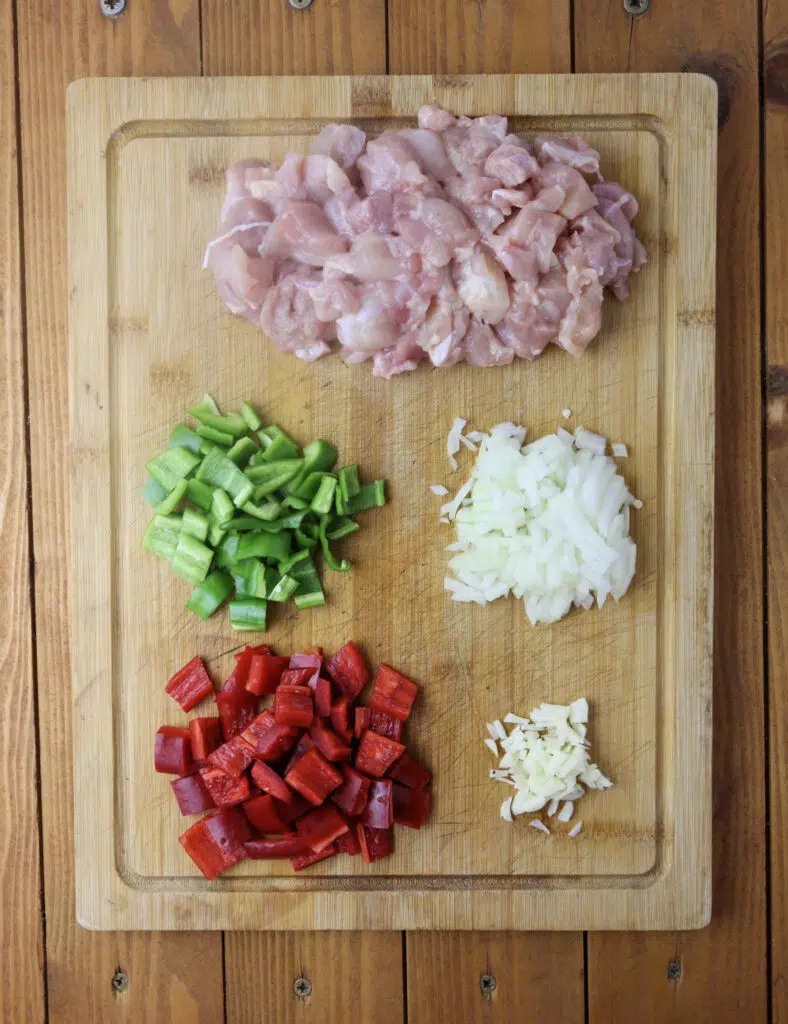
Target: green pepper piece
(217, 436)
(370, 496)
(153, 492)
(309, 593)
(207, 404)
(324, 498)
(341, 527)
(222, 508)
(249, 578)
(218, 470)
(349, 483)
(212, 592)
(233, 423)
(271, 470)
(284, 589)
(308, 487)
(195, 524)
(173, 499)
(243, 449)
(269, 487)
(319, 457)
(161, 536)
(199, 494)
(330, 559)
(216, 534)
(267, 512)
(192, 559)
(253, 421)
(297, 503)
(273, 546)
(184, 437)
(276, 444)
(248, 615)
(286, 567)
(303, 540)
(171, 466)
(242, 524)
(227, 551)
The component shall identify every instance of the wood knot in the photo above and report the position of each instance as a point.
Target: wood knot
(776, 73)
(725, 72)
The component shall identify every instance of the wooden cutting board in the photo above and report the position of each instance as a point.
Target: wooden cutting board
(149, 335)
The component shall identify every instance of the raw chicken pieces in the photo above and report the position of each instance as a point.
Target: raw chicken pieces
(452, 241)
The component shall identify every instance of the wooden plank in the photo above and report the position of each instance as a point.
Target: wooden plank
(170, 977)
(353, 976)
(775, 25)
(494, 977)
(22, 992)
(723, 969)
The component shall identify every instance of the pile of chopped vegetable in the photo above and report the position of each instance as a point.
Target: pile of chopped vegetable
(546, 521)
(546, 759)
(241, 511)
(309, 777)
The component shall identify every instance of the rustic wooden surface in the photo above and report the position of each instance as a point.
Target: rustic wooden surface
(722, 974)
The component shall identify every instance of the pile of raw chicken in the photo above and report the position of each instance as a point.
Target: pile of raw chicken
(451, 241)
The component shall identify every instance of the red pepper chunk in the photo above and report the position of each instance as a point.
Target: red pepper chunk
(289, 812)
(282, 846)
(262, 814)
(376, 843)
(351, 797)
(409, 773)
(385, 725)
(226, 790)
(311, 661)
(362, 719)
(320, 827)
(328, 743)
(236, 710)
(190, 685)
(305, 743)
(393, 693)
(267, 740)
(232, 757)
(265, 671)
(192, 794)
(296, 677)
(172, 751)
(376, 754)
(206, 736)
(293, 706)
(348, 843)
(340, 718)
(411, 806)
(348, 670)
(265, 778)
(305, 860)
(216, 842)
(379, 811)
(322, 691)
(314, 777)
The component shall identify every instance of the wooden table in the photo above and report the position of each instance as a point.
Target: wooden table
(732, 972)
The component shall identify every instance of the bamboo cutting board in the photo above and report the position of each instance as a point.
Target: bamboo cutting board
(149, 335)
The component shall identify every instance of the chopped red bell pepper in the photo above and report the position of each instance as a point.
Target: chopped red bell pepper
(216, 842)
(409, 773)
(172, 751)
(206, 736)
(340, 717)
(348, 843)
(226, 790)
(289, 812)
(411, 806)
(320, 827)
(305, 743)
(282, 846)
(351, 797)
(236, 710)
(393, 693)
(267, 740)
(385, 725)
(260, 649)
(314, 662)
(263, 815)
(232, 757)
(236, 681)
(190, 685)
(293, 706)
(314, 777)
(379, 811)
(322, 690)
(305, 860)
(363, 717)
(192, 794)
(348, 670)
(376, 754)
(266, 779)
(328, 743)
(265, 671)
(376, 843)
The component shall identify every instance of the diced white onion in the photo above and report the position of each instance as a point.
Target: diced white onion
(506, 810)
(552, 807)
(619, 450)
(540, 826)
(439, 489)
(575, 830)
(567, 811)
(492, 745)
(566, 413)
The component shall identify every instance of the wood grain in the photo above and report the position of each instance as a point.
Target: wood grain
(169, 977)
(22, 990)
(724, 967)
(134, 349)
(492, 978)
(775, 16)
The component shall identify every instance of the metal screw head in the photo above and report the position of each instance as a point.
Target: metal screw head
(674, 970)
(300, 5)
(112, 8)
(302, 988)
(120, 981)
(635, 8)
(488, 984)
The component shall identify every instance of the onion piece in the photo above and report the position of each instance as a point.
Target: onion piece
(575, 830)
(540, 826)
(439, 489)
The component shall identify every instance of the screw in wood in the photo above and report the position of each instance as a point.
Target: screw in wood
(674, 970)
(488, 984)
(300, 5)
(635, 8)
(302, 988)
(112, 8)
(120, 981)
